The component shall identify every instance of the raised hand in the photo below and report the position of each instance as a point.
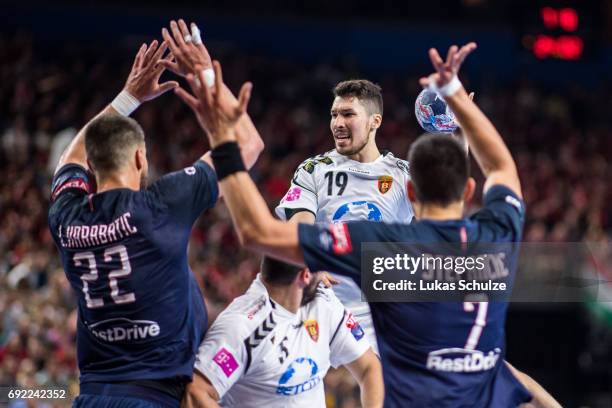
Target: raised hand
(143, 81)
(190, 55)
(216, 108)
(446, 70)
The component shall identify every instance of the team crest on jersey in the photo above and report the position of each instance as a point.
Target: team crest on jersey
(384, 184)
(312, 327)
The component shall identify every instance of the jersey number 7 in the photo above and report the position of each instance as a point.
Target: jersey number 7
(125, 270)
(479, 323)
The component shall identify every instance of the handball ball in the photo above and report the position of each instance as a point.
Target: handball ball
(433, 113)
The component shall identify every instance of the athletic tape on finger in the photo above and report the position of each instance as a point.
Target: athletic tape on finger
(195, 34)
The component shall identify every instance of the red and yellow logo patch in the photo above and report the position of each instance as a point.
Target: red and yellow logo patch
(384, 184)
(312, 327)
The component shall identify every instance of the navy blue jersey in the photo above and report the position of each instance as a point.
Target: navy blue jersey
(434, 354)
(141, 315)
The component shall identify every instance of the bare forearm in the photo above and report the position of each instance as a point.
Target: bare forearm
(257, 229)
(75, 152)
(485, 141)
(372, 390)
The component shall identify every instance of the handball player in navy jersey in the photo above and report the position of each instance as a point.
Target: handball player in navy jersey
(123, 244)
(434, 354)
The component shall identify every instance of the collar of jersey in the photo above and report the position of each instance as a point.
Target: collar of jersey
(278, 309)
(379, 158)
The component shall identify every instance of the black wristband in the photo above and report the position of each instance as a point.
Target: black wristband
(227, 160)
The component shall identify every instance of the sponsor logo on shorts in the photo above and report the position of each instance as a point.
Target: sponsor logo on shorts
(226, 361)
(458, 360)
(123, 330)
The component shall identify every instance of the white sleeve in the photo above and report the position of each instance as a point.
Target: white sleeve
(348, 340)
(302, 193)
(222, 356)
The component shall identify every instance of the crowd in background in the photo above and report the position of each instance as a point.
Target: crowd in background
(559, 139)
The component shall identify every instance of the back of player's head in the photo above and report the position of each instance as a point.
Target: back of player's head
(110, 141)
(368, 93)
(439, 169)
(278, 272)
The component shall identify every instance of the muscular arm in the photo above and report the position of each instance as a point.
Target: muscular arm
(75, 152)
(488, 147)
(541, 398)
(367, 371)
(257, 229)
(303, 216)
(200, 393)
(247, 136)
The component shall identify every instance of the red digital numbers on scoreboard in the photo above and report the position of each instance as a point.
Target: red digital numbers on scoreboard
(565, 46)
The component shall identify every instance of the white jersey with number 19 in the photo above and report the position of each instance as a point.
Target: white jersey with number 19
(337, 189)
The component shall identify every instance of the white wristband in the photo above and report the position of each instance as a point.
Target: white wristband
(125, 103)
(447, 90)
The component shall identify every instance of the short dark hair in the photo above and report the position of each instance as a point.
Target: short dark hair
(439, 168)
(367, 92)
(109, 140)
(278, 272)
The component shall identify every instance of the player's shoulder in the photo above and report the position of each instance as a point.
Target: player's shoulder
(326, 302)
(320, 161)
(396, 164)
(245, 313)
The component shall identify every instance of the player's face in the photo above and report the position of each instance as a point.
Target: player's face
(350, 125)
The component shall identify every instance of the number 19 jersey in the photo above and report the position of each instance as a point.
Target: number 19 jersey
(337, 189)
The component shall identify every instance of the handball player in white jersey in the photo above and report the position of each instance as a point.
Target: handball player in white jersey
(355, 181)
(272, 346)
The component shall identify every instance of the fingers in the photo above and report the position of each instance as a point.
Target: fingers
(436, 60)
(451, 54)
(425, 81)
(464, 52)
(170, 66)
(150, 52)
(184, 30)
(243, 97)
(204, 91)
(471, 96)
(218, 78)
(168, 39)
(187, 98)
(158, 54)
(178, 36)
(138, 59)
(166, 86)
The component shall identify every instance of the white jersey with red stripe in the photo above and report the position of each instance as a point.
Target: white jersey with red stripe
(259, 354)
(337, 189)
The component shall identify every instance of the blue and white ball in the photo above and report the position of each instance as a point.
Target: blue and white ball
(433, 114)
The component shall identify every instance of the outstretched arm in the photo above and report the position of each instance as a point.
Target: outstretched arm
(257, 229)
(191, 56)
(488, 147)
(142, 85)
